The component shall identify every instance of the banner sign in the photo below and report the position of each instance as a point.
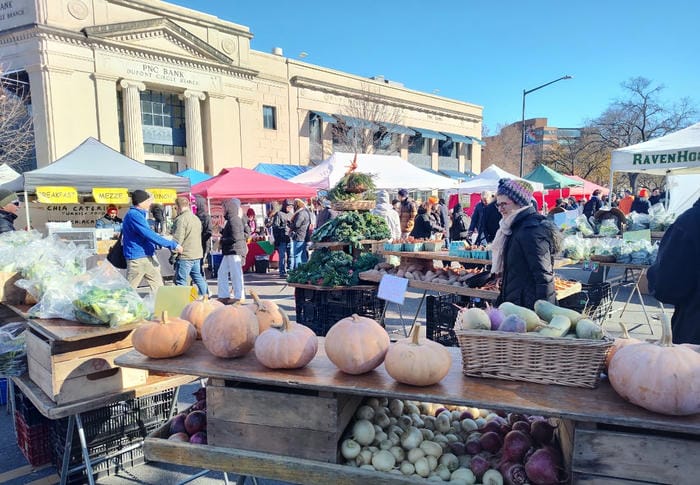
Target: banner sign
(57, 195)
(163, 196)
(111, 195)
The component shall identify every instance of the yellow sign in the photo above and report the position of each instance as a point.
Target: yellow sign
(163, 196)
(57, 195)
(111, 195)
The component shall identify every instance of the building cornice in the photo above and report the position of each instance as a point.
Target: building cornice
(339, 90)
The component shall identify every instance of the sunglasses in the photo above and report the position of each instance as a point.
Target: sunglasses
(16, 202)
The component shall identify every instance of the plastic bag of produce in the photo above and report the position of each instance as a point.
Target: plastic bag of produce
(13, 352)
(584, 226)
(637, 222)
(575, 247)
(103, 296)
(659, 218)
(608, 228)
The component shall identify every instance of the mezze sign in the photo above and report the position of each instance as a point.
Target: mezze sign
(681, 156)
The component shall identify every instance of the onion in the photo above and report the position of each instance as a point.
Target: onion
(450, 461)
(411, 438)
(382, 420)
(398, 453)
(415, 454)
(491, 441)
(365, 412)
(542, 432)
(463, 474)
(515, 445)
(473, 444)
(541, 468)
(479, 465)
(422, 467)
(407, 468)
(396, 407)
(513, 473)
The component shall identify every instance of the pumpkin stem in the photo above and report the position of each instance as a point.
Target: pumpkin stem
(416, 333)
(205, 298)
(625, 333)
(256, 299)
(164, 317)
(285, 321)
(666, 334)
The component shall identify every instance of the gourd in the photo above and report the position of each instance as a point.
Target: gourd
(558, 327)
(531, 319)
(514, 324)
(165, 338)
(418, 363)
(546, 310)
(356, 344)
(230, 331)
(588, 329)
(473, 319)
(195, 312)
(286, 346)
(620, 342)
(267, 312)
(661, 377)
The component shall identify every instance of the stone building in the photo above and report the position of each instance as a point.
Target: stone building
(176, 88)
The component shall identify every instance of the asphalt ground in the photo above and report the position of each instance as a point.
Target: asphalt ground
(15, 470)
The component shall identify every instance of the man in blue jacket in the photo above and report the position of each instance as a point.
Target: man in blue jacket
(139, 242)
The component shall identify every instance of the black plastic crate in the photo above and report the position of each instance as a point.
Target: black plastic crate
(24, 407)
(321, 309)
(595, 301)
(440, 316)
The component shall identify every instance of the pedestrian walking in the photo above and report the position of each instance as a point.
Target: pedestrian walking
(187, 230)
(234, 248)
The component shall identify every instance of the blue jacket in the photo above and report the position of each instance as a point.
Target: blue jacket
(138, 239)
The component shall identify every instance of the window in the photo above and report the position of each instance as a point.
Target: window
(167, 167)
(419, 145)
(447, 148)
(269, 117)
(315, 133)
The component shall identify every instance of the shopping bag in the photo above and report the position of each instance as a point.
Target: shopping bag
(116, 255)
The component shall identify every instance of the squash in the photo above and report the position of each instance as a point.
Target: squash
(165, 338)
(286, 346)
(661, 377)
(230, 331)
(531, 319)
(558, 327)
(546, 310)
(417, 363)
(473, 319)
(195, 312)
(267, 312)
(588, 329)
(356, 344)
(620, 342)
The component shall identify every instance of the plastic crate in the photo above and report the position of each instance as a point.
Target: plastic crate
(321, 309)
(34, 441)
(29, 413)
(440, 316)
(595, 301)
(3, 391)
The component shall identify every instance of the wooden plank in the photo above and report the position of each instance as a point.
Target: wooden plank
(348, 406)
(61, 350)
(423, 285)
(636, 456)
(565, 437)
(331, 288)
(600, 405)
(67, 330)
(584, 479)
(265, 465)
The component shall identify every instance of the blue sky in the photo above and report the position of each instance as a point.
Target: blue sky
(487, 52)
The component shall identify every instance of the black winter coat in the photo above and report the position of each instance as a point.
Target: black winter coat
(592, 206)
(490, 219)
(640, 206)
(7, 221)
(460, 227)
(425, 225)
(234, 236)
(279, 224)
(528, 263)
(675, 276)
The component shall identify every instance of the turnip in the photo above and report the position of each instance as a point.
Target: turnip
(480, 422)
(177, 424)
(443, 472)
(429, 422)
(442, 423)
(417, 421)
(458, 448)
(394, 438)
(522, 426)
(415, 454)
(513, 473)
(407, 468)
(381, 420)
(514, 324)
(372, 402)
(363, 432)
(383, 461)
(379, 436)
(432, 462)
(496, 316)
(411, 438)
(404, 422)
(451, 437)
(398, 453)
(492, 477)
(515, 445)
(179, 436)
(364, 412)
(479, 465)
(431, 448)
(411, 408)
(350, 449)
(491, 442)
(396, 407)
(463, 474)
(542, 432)
(468, 424)
(199, 438)
(464, 461)
(385, 444)
(541, 468)
(196, 421)
(422, 467)
(450, 461)
(427, 434)
(364, 458)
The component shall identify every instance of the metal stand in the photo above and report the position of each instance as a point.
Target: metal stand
(398, 307)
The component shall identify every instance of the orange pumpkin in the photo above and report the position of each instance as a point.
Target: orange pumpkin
(230, 331)
(418, 363)
(268, 313)
(356, 344)
(165, 338)
(286, 346)
(620, 342)
(661, 377)
(196, 311)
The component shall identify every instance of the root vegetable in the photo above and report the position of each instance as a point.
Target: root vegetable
(383, 401)
(480, 422)
(394, 438)
(395, 429)
(473, 444)
(450, 461)
(417, 421)
(541, 468)
(411, 438)
(468, 424)
(199, 438)
(196, 421)
(398, 453)
(542, 432)
(491, 442)
(405, 422)
(458, 448)
(380, 435)
(443, 472)
(431, 448)
(372, 402)
(179, 436)
(415, 454)
(451, 437)
(479, 465)
(422, 467)
(396, 407)
(407, 468)
(492, 477)
(383, 461)
(427, 434)
(364, 458)
(385, 444)
(350, 449)
(463, 474)
(363, 432)
(443, 423)
(411, 408)
(429, 422)
(365, 412)
(381, 420)
(432, 462)
(177, 425)
(515, 445)
(496, 317)
(522, 426)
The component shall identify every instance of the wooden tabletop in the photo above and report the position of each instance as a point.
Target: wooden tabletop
(445, 256)
(155, 383)
(601, 405)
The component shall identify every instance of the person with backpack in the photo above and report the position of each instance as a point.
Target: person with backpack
(278, 221)
(459, 230)
(593, 205)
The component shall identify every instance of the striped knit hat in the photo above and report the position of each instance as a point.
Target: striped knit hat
(519, 191)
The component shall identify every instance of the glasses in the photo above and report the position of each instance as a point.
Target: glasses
(501, 205)
(16, 202)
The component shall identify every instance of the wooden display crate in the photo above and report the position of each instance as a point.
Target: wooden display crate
(9, 292)
(69, 371)
(283, 421)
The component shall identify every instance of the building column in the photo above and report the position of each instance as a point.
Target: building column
(107, 117)
(193, 129)
(133, 128)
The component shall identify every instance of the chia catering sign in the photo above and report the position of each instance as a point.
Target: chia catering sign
(678, 157)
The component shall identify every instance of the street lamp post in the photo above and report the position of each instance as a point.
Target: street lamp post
(522, 119)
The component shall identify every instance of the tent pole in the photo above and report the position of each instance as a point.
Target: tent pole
(26, 210)
(611, 183)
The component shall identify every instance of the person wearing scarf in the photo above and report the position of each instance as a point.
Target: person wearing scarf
(524, 247)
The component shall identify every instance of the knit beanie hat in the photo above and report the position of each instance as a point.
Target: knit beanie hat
(138, 196)
(519, 191)
(6, 196)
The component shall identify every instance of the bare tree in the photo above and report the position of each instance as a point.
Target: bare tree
(16, 129)
(364, 121)
(583, 156)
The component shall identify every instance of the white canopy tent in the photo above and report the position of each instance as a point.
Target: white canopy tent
(391, 173)
(488, 180)
(10, 179)
(675, 155)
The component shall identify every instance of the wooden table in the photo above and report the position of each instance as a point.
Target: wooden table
(586, 408)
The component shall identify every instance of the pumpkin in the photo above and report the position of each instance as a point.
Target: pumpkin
(196, 311)
(230, 331)
(268, 312)
(164, 338)
(620, 342)
(356, 344)
(286, 346)
(418, 363)
(661, 377)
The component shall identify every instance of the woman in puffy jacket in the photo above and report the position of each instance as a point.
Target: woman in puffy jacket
(460, 224)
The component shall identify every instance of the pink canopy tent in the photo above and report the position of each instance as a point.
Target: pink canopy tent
(250, 186)
(587, 189)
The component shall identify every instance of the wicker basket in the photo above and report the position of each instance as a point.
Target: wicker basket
(532, 358)
(354, 205)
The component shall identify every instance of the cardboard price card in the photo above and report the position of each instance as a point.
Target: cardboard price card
(163, 196)
(111, 195)
(57, 195)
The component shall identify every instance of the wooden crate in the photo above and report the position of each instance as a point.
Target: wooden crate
(69, 371)
(283, 421)
(606, 454)
(9, 293)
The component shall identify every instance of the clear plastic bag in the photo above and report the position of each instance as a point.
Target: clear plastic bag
(13, 352)
(584, 226)
(575, 247)
(637, 222)
(608, 228)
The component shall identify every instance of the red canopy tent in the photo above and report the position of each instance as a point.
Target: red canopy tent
(587, 189)
(250, 186)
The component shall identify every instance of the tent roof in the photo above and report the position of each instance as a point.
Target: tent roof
(551, 179)
(93, 164)
(488, 180)
(195, 176)
(279, 170)
(678, 152)
(250, 186)
(390, 172)
(10, 179)
(587, 188)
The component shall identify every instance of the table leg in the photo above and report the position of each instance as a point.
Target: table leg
(83, 445)
(420, 305)
(67, 449)
(11, 403)
(635, 289)
(173, 402)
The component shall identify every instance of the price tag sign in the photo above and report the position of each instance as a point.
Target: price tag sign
(393, 289)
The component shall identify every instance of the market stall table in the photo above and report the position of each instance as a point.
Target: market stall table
(586, 414)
